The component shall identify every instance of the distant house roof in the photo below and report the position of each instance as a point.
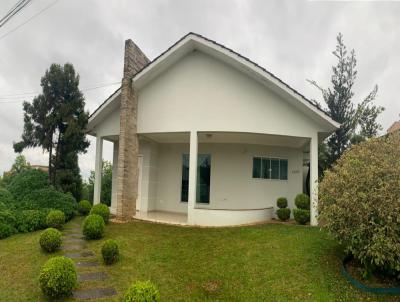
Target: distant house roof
(395, 127)
(205, 42)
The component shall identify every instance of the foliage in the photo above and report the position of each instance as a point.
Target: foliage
(110, 251)
(302, 216)
(58, 277)
(50, 240)
(93, 227)
(84, 207)
(20, 164)
(283, 214)
(359, 202)
(56, 121)
(106, 184)
(340, 105)
(52, 199)
(55, 219)
(6, 230)
(142, 291)
(31, 220)
(6, 198)
(282, 202)
(302, 201)
(26, 182)
(7, 217)
(102, 210)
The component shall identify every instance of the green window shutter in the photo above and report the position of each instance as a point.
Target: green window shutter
(274, 168)
(256, 167)
(266, 168)
(283, 169)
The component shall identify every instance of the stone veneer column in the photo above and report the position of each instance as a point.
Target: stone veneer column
(127, 179)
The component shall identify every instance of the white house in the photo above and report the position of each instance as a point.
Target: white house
(205, 136)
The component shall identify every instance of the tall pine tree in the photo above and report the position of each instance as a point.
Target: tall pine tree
(56, 121)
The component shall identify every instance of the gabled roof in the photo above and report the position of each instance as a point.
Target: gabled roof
(193, 41)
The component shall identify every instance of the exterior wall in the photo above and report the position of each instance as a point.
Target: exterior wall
(204, 94)
(109, 126)
(232, 185)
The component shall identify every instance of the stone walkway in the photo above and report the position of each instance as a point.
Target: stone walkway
(74, 247)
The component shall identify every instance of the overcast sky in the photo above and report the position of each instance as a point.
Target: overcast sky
(292, 39)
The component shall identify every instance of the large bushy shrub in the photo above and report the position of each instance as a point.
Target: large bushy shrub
(6, 198)
(6, 230)
(26, 182)
(110, 251)
(31, 220)
(58, 277)
(142, 291)
(50, 240)
(7, 217)
(52, 199)
(84, 207)
(359, 202)
(102, 210)
(93, 227)
(55, 219)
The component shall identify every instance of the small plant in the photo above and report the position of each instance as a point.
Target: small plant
(301, 216)
(302, 201)
(93, 227)
(142, 291)
(6, 230)
(50, 240)
(110, 251)
(102, 210)
(55, 219)
(84, 207)
(282, 202)
(58, 277)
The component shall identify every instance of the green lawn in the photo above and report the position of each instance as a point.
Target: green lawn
(256, 263)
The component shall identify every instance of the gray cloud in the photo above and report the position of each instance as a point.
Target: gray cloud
(293, 39)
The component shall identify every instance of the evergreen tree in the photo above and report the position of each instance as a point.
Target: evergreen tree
(56, 121)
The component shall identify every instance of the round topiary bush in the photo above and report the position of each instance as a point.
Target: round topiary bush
(283, 214)
(50, 240)
(110, 251)
(142, 291)
(359, 202)
(6, 230)
(301, 216)
(102, 210)
(84, 207)
(93, 227)
(302, 201)
(55, 219)
(282, 202)
(58, 277)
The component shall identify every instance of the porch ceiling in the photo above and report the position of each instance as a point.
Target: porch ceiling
(231, 137)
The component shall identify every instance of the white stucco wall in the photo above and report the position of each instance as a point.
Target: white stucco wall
(204, 94)
(109, 125)
(232, 185)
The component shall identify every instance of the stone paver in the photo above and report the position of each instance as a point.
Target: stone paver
(74, 240)
(76, 255)
(94, 293)
(93, 276)
(72, 247)
(87, 263)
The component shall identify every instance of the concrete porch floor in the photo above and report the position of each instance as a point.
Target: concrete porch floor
(163, 217)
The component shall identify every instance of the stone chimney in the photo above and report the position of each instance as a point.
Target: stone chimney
(127, 191)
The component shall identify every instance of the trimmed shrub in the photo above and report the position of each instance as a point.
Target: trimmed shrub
(26, 182)
(31, 220)
(283, 214)
(142, 291)
(7, 217)
(93, 227)
(84, 207)
(301, 216)
(302, 201)
(282, 202)
(55, 219)
(6, 230)
(6, 199)
(102, 210)
(52, 199)
(110, 251)
(50, 240)
(58, 277)
(359, 202)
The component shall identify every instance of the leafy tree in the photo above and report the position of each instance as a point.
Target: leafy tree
(56, 121)
(358, 122)
(106, 184)
(20, 164)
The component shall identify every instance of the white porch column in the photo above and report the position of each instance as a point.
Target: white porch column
(114, 184)
(314, 180)
(98, 169)
(192, 175)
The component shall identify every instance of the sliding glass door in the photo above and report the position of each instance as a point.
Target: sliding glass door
(203, 178)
